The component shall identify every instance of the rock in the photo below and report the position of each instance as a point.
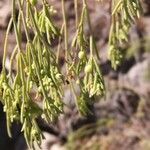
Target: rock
(5, 12)
(138, 78)
(51, 142)
(144, 144)
(146, 6)
(57, 147)
(144, 25)
(120, 104)
(48, 141)
(125, 102)
(100, 21)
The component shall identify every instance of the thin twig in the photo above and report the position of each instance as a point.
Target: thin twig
(65, 33)
(6, 43)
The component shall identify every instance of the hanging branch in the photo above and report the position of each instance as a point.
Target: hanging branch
(37, 65)
(124, 14)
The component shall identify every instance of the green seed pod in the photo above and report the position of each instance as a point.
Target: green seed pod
(33, 132)
(40, 89)
(81, 54)
(42, 72)
(33, 66)
(43, 116)
(78, 82)
(31, 84)
(5, 108)
(51, 84)
(98, 86)
(58, 77)
(88, 68)
(4, 86)
(28, 22)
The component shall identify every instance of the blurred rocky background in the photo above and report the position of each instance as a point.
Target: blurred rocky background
(121, 120)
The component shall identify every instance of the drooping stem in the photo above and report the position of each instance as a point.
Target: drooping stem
(76, 12)
(59, 44)
(24, 21)
(6, 43)
(65, 32)
(15, 25)
(88, 17)
(90, 28)
(91, 46)
(11, 62)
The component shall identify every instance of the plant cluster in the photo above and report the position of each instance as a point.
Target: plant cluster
(124, 13)
(37, 67)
